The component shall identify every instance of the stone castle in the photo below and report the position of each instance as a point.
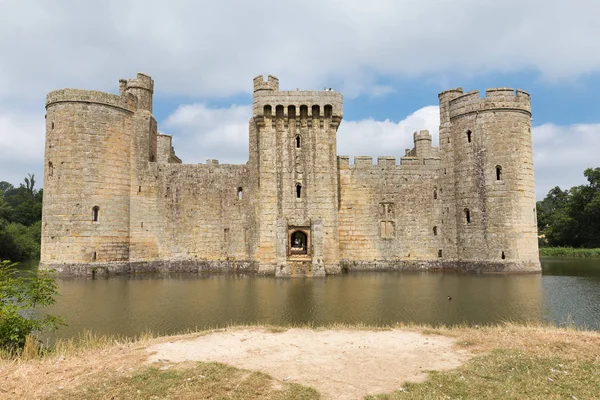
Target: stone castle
(118, 200)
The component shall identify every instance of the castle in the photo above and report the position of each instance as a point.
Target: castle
(117, 199)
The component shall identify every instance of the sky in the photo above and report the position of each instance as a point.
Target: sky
(390, 59)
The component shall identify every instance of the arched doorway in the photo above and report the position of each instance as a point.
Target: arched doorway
(298, 243)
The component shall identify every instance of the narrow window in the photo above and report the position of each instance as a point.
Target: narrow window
(303, 111)
(139, 189)
(498, 173)
(279, 111)
(292, 112)
(50, 168)
(142, 225)
(468, 215)
(503, 256)
(435, 193)
(95, 212)
(469, 136)
(316, 111)
(240, 193)
(52, 126)
(298, 141)
(94, 256)
(435, 231)
(298, 191)
(448, 140)
(267, 111)
(439, 253)
(226, 235)
(328, 111)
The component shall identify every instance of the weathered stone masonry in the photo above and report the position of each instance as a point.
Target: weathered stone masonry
(117, 199)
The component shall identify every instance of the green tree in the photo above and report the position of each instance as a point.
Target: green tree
(22, 293)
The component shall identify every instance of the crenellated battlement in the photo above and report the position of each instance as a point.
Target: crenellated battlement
(126, 102)
(271, 84)
(497, 99)
(141, 81)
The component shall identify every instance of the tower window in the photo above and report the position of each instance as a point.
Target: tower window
(95, 213)
(94, 256)
(316, 111)
(468, 215)
(435, 193)
(292, 111)
(439, 253)
(328, 111)
(498, 173)
(469, 136)
(267, 111)
(503, 256)
(50, 168)
(435, 231)
(52, 126)
(298, 141)
(298, 191)
(303, 111)
(279, 111)
(240, 193)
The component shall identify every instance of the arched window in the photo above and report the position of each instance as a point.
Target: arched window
(316, 111)
(298, 190)
(279, 111)
(267, 110)
(303, 111)
(298, 141)
(498, 173)
(240, 193)
(469, 136)
(328, 111)
(95, 213)
(292, 111)
(298, 243)
(467, 215)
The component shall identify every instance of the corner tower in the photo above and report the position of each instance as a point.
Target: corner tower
(487, 178)
(293, 151)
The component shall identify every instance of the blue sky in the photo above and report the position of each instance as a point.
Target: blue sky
(390, 58)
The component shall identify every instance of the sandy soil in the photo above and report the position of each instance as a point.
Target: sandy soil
(340, 364)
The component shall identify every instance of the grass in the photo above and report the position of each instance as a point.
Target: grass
(569, 252)
(198, 381)
(511, 361)
(509, 374)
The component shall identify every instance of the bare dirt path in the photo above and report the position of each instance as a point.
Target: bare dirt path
(341, 364)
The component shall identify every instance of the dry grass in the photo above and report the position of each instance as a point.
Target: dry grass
(513, 361)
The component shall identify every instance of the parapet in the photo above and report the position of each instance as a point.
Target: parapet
(269, 101)
(498, 99)
(127, 102)
(142, 81)
(272, 83)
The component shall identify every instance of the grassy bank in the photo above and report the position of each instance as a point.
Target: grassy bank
(508, 361)
(569, 252)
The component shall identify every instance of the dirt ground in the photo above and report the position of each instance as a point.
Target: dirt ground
(341, 364)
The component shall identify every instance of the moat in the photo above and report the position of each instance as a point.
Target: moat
(567, 290)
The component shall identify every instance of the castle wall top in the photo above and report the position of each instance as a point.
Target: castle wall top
(142, 81)
(495, 100)
(268, 94)
(125, 102)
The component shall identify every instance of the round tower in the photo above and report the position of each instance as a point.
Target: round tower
(494, 193)
(86, 179)
(141, 87)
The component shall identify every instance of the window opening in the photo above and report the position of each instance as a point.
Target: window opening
(240, 193)
(435, 231)
(94, 256)
(435, 193)
(50, 168)
(52, 125)
(267, 111)
(328, 111)
(298, 141)
(468, 215)
(142, 225)
(439, 253)
(139, 189)
(503, 256)
(387, 220)
(226, 235)
(298, 243)
(469, 136)
(292, 111)
(498, 173)
(316, 111)
(95, 212)
(279, 111)
(298, 191)
(303, 111)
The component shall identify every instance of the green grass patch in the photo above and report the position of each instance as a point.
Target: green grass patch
(508, 374)
(569, 252)
(200, 381)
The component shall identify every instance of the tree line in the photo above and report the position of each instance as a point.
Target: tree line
(571, 218)
(20, 220)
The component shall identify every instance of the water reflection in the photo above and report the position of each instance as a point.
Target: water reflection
(567, 291)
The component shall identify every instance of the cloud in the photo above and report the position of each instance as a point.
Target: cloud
(215, 48)
(562, 153)
(21, 146)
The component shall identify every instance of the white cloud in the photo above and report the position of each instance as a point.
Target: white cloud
(215, 48)
(562, 153)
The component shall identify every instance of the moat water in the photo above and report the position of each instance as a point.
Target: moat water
(568, 291)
